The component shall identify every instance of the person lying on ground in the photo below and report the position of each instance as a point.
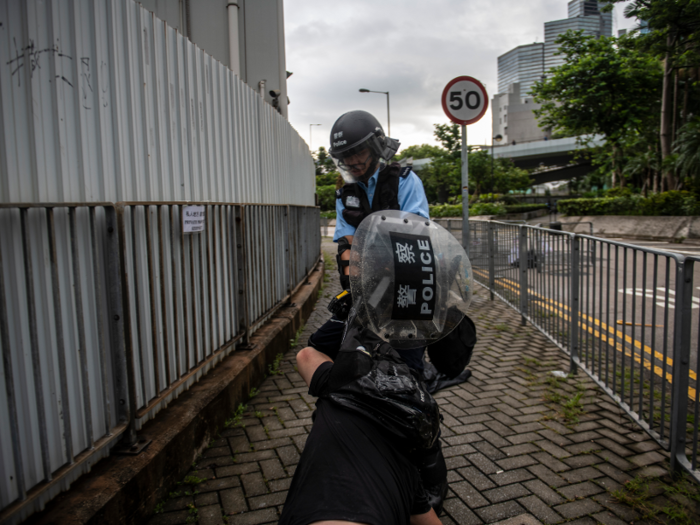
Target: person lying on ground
(351, 470)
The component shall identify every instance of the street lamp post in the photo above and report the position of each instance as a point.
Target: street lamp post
(388, 118)
(310, 145)
(497, 138)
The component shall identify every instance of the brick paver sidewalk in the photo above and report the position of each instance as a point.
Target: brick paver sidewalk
(522, 446)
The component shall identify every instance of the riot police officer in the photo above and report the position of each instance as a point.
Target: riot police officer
(362, 154)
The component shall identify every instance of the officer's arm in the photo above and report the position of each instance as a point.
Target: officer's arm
(412, 196)
(345, 256)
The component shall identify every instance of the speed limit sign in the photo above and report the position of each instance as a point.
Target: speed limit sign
(464, 100)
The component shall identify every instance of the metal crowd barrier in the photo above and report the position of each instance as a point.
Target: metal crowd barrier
(623, 314)
(108, 312)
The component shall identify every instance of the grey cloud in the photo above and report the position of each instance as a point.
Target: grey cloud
(410, 48)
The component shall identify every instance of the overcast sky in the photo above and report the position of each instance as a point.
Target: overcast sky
(410, 48)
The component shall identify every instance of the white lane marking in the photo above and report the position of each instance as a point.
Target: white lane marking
(648, 293)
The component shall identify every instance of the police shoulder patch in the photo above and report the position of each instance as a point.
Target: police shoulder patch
(403, 173)
(338, 193)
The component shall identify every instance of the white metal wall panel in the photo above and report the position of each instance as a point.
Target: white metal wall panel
(102, 102)
(55, 335)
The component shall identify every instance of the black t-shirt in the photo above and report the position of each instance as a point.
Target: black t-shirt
(350, 471)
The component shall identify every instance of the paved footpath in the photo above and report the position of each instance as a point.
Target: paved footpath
(522, 447)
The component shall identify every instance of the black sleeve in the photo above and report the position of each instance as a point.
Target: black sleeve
(319, 381)
(420, 501)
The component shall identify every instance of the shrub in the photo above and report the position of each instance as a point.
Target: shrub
(328, 215)
(669, 203)
(496, 208)
(446, 210)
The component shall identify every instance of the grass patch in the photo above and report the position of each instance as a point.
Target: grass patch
(532, 361)
(236, 417)
(192, 480)
(274, 368)
(253, 392)
(678, 504)
(573, 408)
(295, 341)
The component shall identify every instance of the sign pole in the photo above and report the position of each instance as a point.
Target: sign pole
(464, 101)
(465, 191)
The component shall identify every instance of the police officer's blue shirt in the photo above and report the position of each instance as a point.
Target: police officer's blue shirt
(411, 199)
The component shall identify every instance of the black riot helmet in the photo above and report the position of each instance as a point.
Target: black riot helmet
(359, 145)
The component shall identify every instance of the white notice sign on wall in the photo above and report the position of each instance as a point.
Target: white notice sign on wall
(193, 219)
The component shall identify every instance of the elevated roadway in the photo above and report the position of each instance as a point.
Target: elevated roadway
(554, 157)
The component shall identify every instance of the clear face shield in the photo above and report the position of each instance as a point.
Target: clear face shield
(411, 281)
(356, 163)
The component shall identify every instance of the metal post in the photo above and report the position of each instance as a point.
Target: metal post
(492, 166)
(465, 191)
(492, 257)
(388, 117)
(120, 370)
(523, 262)
(242, 303)
(121, 330)
(681, 362)
(574, 302)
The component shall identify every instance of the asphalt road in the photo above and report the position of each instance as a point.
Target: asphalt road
(627, 302)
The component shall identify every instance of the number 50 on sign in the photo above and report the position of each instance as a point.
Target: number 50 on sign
(464, 100)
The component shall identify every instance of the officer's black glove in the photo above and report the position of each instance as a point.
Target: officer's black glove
(340, 305)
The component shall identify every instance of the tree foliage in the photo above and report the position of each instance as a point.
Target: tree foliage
(327, 179)
(607, 87)
(442, 178)
(424, 151)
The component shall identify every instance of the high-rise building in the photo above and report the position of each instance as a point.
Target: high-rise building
(584, 15)
(530, 62)
(522, 64)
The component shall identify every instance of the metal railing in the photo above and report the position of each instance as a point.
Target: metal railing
(623, 314)
(110, 312)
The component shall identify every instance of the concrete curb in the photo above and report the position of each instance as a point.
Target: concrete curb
(126, 489)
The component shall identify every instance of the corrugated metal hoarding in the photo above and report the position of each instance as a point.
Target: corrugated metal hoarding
(111, 124)
(102, 102)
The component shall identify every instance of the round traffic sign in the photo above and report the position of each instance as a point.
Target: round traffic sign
(464, 100)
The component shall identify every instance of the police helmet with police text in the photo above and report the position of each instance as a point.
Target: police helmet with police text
(411, 280)
(358, 137)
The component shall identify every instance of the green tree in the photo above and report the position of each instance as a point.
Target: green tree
(687, 149)
(326, 173)
(606, 86)
(442, 178)
(674, 36)
(324, 162)
(424, 151)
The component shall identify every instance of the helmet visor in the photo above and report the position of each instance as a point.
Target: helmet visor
(354, 162)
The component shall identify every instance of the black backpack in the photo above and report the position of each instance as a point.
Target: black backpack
(370, 378)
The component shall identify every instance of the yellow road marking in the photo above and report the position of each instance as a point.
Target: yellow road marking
(515, 287)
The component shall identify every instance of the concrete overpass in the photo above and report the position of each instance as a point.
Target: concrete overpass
(554, 157)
